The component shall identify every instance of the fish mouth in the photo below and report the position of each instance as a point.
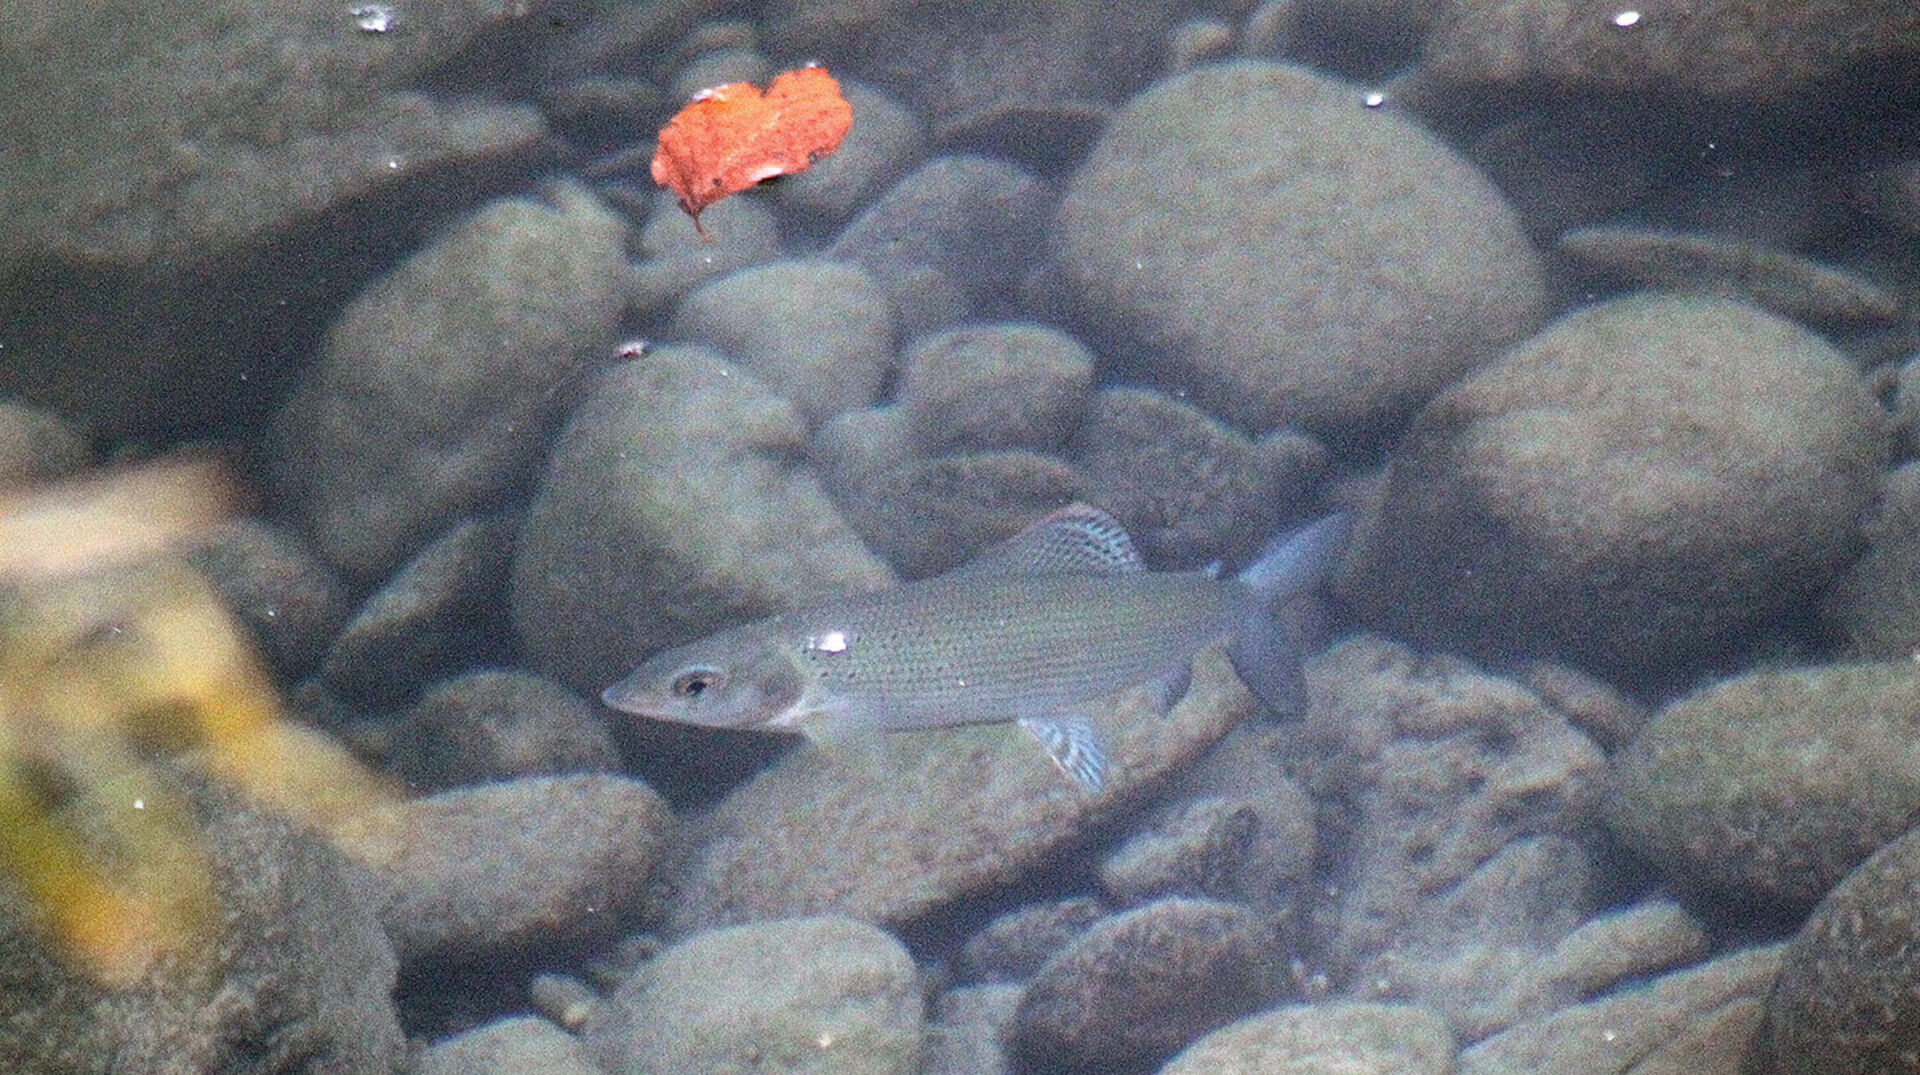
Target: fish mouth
(628, 696)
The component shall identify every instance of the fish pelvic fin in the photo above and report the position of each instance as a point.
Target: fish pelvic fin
(1074, 748)
(1278, 628)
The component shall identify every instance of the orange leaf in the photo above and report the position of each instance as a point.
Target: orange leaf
(733, 136)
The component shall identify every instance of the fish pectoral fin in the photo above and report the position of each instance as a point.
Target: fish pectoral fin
(847, 738)
(1074, 748)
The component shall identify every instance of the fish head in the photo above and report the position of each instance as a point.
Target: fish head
(734, 679)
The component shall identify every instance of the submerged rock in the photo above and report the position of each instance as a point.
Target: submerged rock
(810, 996)
(438, 385)
(499, 724)
(1698, 1020)
(1196, 239)
(1645, 483)
(1463, 859)
(1137, 986)
(1844, 1003)
(441, 611)
(1324, 1039)
(36, 446)
(1766, 788)
(967, 65)
(1190, 489)
(290, 601)
(1787, 284)
(523, 866)
(173, 238)
(1746, 53)
(522, 1045)
(675, 503)
(949, 240)
(818, 332)
(296, 969)
(1875, 603)
(993, 386)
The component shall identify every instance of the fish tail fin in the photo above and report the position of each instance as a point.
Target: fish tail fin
(1277, 628)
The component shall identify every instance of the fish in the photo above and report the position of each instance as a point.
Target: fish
(1030, 632)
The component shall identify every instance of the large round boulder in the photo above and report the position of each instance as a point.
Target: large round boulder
(1642, 484)
(1254, 233)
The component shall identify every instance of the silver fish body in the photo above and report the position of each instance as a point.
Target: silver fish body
(1058, 616)
(955, 649)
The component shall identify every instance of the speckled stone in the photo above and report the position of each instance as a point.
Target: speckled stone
(806, 996)
(1645, 483)
(36, 446)
(949, 240)
(1188, 487)
(295, 943)
(672, 506)
(291, 602)
(1138, 986)
(1766, 788)
(1324, 1039)
(1875, 603)
(442, 611)
(1236, 289)
(1780, 52)
(498, 724)
(437, 386)
(1695, 1021)
(523, 865)
(521, 1045)
(1845, 1002)
(1460, 860)
(1014, 945)
(1003, 385)
(818, 332)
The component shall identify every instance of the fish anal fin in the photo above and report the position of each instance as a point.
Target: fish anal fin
(1076, 539)
(1074, 748)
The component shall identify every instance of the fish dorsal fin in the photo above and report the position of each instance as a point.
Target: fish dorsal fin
(1077, 539)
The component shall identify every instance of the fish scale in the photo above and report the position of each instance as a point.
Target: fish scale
(970, 649)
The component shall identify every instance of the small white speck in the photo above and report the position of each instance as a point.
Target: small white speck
(393, 164)
(1609, 1035)
(139, 804)
(831, 642)
(1626, 18)
(825, 1040)
(1374, 99)
(373, 18)
(272, 612)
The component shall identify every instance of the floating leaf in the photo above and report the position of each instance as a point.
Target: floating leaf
(733, 136)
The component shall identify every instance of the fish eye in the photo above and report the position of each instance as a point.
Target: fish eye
(695, 682)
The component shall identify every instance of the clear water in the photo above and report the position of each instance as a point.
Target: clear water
(366, 409)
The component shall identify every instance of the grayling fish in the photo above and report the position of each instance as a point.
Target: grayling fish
(1032, 630)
